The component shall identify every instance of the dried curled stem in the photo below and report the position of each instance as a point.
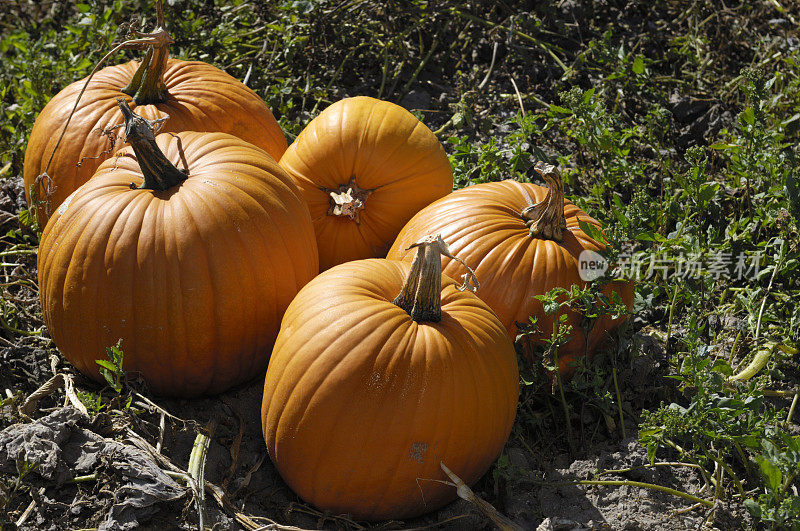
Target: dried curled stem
(49, 387)
(147, 85)
(421, 293)
(545, 219)
(158, 40)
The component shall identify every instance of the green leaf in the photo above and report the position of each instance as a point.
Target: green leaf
(722, 366)
(21, 46)
(793, 194)
(651, 452)
(25, 218)
(558, 108)
(112, 369)
(771, 473)
(722, 146)
(592, 231)
(753, 508)
(83, 64)
(650, 237)
(749, 116)
(107, 364)
(638, 65)
(707, 192)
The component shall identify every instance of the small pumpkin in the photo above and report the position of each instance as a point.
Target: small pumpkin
(194, 95)
(525, 240)
(365, 166)
(368, 392)
(192, 271)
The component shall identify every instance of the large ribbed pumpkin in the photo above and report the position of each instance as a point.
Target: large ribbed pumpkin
(195, 95)
(365, 167)
(522, 245)
(368, 389)
(193, 272)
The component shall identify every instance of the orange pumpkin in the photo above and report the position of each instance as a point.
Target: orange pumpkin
(195, 95)
(525, 240)
(365, 167)
(368, 391)
(193, 272)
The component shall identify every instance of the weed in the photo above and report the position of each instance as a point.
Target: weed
(704, 225)
(8, 492)
(111, 369)
(779, 464)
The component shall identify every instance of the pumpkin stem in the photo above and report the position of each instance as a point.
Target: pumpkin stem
(147, 84)
(142, 40)
(159, 173)
(421, 294)
(347, 200)
(546, 219)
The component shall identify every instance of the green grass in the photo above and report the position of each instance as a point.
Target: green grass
(598, 99)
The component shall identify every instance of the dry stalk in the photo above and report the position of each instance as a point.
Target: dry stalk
(465, 493)
(48, 388)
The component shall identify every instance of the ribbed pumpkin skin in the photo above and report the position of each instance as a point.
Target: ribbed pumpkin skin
(201, 98)
(194, 279)
(361, 403)
(386, 149)
(482, 226)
